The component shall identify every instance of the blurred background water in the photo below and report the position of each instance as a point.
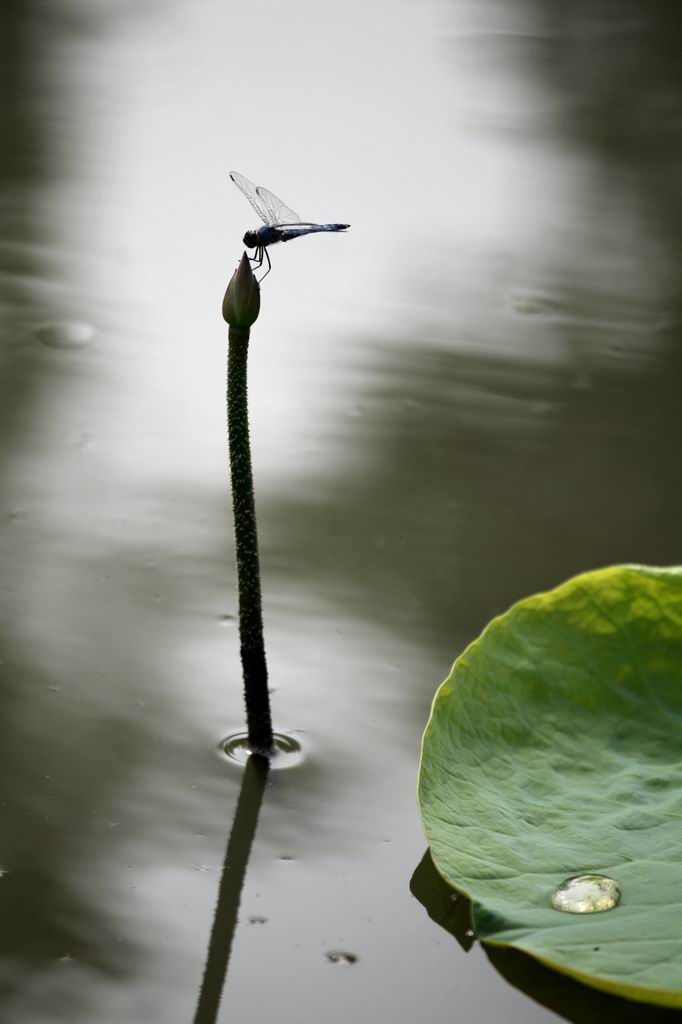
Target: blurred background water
(471, 396)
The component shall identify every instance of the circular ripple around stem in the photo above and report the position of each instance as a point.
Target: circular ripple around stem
(287, 751)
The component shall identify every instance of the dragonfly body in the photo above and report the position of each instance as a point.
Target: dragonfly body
(270, 235)
(281, 223)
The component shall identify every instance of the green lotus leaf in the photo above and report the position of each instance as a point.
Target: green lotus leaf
(554, 748)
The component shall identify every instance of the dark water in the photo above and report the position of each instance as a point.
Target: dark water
(472, 396)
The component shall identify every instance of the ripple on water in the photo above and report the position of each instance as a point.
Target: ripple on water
(66, 334)
(287, 752)
(340, 956)
(531, 302)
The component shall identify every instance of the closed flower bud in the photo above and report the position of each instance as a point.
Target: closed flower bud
(241, 304)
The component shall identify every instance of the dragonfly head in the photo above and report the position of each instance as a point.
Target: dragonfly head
(250, 239)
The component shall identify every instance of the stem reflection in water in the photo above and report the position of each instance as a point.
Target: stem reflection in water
(231, 883)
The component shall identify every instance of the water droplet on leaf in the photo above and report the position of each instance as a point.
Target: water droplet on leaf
(586, 894)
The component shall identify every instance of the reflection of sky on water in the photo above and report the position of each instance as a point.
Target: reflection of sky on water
(467, 398)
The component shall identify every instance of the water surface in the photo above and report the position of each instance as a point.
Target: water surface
(470, 397)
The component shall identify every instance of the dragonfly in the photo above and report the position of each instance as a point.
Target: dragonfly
(281, 223)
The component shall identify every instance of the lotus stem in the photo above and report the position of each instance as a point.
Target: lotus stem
(241, 306)
(252, 645)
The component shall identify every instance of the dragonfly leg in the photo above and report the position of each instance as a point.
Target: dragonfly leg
(264, 252)
(257, 259)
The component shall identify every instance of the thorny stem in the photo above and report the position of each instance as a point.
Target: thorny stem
(257, 700)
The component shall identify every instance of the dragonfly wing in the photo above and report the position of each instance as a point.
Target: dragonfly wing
(252, 193)
(278, 210)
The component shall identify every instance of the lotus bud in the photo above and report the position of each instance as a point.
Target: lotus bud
(241, 304)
